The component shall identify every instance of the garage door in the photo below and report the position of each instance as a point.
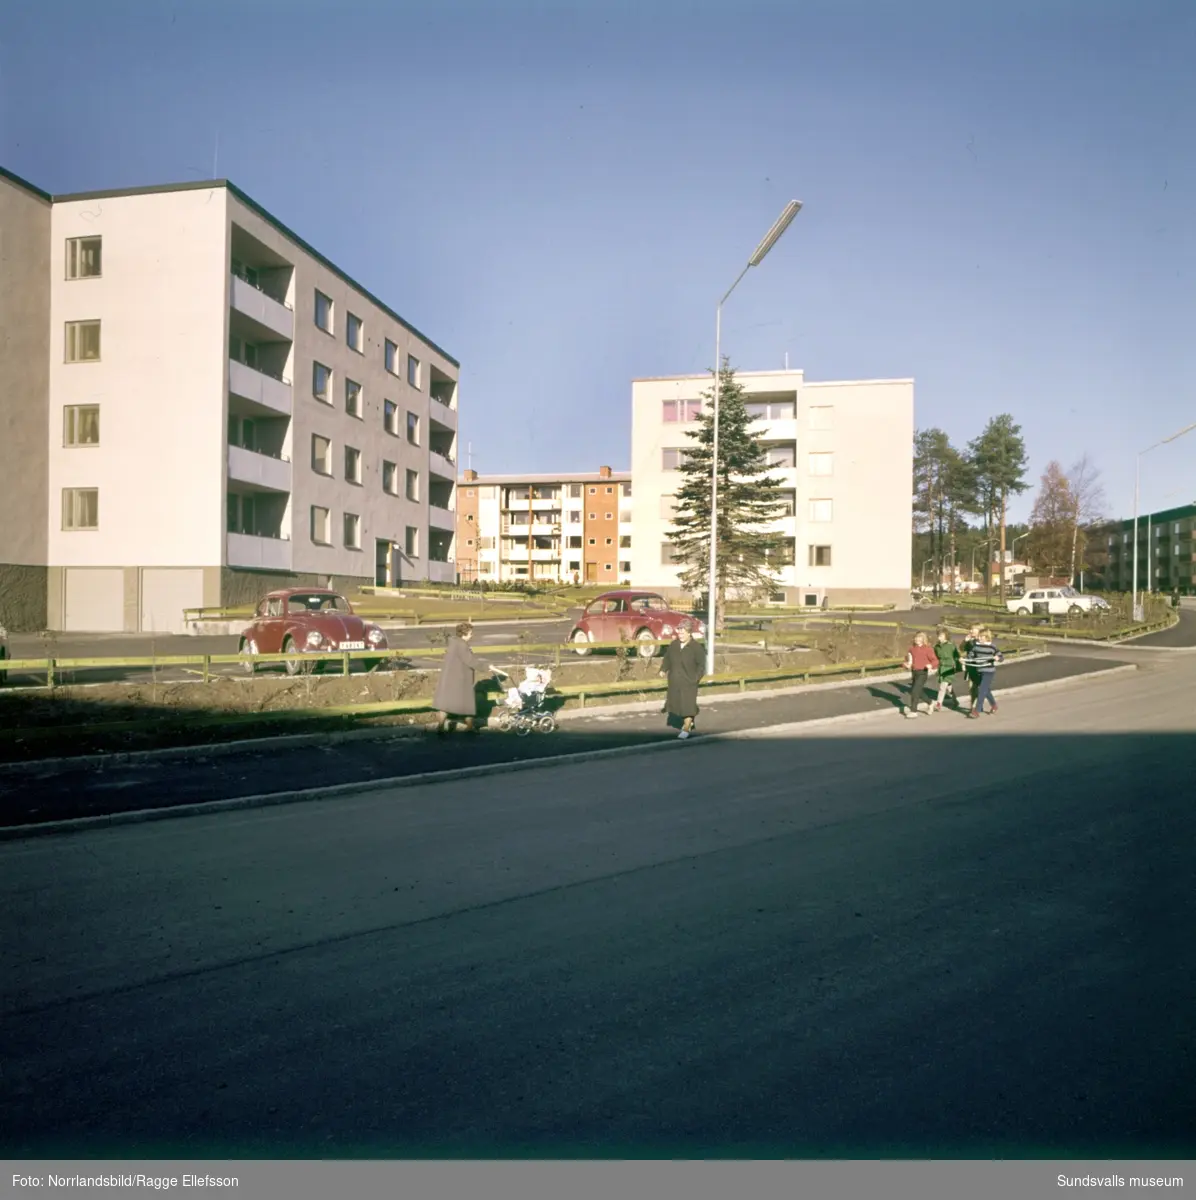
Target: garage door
(165, 592)
(95, 600)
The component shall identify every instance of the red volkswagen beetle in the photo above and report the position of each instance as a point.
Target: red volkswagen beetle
(307, 620)
(642, 617)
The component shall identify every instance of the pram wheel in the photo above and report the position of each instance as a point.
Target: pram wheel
(546, 723)
(523, 726)
(502, 720)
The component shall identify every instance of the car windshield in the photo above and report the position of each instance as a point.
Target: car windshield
(649, 604)
(1068, 591)
(317, 602)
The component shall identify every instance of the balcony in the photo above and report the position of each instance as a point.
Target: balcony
(266, 391)
(263, 310)
(442, 518)
(258, 553)
(519, 554)
(442, 572)
(259, 471)
(442, 465)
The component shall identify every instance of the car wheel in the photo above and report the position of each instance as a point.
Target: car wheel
(645, 646)
(1023, 611)
(1075, 611)
(294, 666)
(581, 642)
(249, 650)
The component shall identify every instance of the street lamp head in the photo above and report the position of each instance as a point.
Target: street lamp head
(774, 234)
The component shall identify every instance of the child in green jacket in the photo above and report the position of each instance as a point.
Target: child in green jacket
(947, 653)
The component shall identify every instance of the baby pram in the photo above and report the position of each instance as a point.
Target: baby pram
(525, 708)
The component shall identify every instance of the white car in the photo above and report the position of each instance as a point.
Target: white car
(1058, 600)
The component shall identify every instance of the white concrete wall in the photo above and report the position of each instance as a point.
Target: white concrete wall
(161, 301)
(871, 438)
(382, 515)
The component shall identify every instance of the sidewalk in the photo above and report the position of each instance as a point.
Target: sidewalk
(38, 793)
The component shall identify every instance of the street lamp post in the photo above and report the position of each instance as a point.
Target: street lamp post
(1138, 612)
(972, 571)
(770, 239)
(924, 566)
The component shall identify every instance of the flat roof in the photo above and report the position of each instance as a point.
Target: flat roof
(24, 183)
(249, 202)
(762, 374)
(576, 477)
(1167, 514)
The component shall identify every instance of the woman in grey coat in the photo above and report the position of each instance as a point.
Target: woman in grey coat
(685, 664)
(455, 696)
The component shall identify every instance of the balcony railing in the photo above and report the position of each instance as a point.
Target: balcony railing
(262, 553)
(441, 517)
(274, 315)
(260, 470)
(260, 387)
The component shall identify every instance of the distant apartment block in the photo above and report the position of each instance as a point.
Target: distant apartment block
(548, 528)
(1166, 542)
(843, 452)
(202, 408)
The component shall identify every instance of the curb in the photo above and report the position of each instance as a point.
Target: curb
(331, 791)
(299, 740)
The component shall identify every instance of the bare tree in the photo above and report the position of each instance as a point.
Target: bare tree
(1051, 522)
(1088, 500)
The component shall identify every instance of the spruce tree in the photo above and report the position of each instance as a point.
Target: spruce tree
(749, 499)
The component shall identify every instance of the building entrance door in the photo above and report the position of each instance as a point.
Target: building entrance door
(384, 560)
(591, 572)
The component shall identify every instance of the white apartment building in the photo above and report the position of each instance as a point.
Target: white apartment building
(845, 453)
(556, 528)
(227, 412)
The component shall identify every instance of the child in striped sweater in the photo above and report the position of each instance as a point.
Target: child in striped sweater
(982, 662)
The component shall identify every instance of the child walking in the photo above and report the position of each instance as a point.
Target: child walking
(984, 658)
(947, 653)
(920, 661)
(972, 677)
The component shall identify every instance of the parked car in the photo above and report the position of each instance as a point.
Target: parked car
(3, 652)
(307, 620)
(1057, 600)
(642, 617)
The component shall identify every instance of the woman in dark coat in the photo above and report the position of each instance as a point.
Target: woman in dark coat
(684, 664)
(455, 696)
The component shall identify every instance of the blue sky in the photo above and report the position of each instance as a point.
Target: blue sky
(998, 198)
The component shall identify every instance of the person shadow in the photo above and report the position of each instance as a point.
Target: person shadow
(894, 694)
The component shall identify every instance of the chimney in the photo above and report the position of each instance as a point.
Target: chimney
(604, 472)
(470, 476)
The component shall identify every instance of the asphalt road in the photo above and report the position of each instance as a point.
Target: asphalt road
(882, 937)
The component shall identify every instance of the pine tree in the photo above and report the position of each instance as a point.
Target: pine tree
(999, 458)
(749, 499)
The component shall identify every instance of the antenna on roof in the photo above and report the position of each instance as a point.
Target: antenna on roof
(786, 360)
(469, 455)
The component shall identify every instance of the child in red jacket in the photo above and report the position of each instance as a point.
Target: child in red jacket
(920, 661)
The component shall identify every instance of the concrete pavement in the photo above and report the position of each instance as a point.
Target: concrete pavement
(883, 938)
(37, 793)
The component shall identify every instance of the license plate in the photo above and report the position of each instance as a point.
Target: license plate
(352, 645)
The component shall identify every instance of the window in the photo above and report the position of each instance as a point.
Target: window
(241, 511)
(672, 458)
(625, 542)
(610, 516)
(485, 543)
(592, 541)
(243, 352)
(323, 314)
(607, 567)
(352, 465)
(413, 428)
(821, 510)
(771, 410)
(353, 333)
(354, 405)
(783, 555)
(413, 370)
(390, 478)
(83, 258)
(593, 491)
(321, 383)
(81, 425)
(390, 356)
(822, 464)
(412, 484)
(624, 568)
(469, 518)
(82, 341)
(321, 455)
(575, 516)
(610, 541)
(352, 529)
(411, 544)
(321, 526)
(610, 491)
(667, 556)
(593, 516)
(788, 504)
(575, 491)
(80, 508)
(627, 489)
(574, 542)
(390, 417)
(820, 417)
(820, 556)
(681, 410)
(784, 457)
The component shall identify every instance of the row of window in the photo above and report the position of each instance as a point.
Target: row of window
(321, 463)
(573, 542)
(574, 565)
(780, 458)
(818, 510)
(521, 495)
(324, 315)
(321, 388)
(685, 411)
(785, 556)
(321, 531)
